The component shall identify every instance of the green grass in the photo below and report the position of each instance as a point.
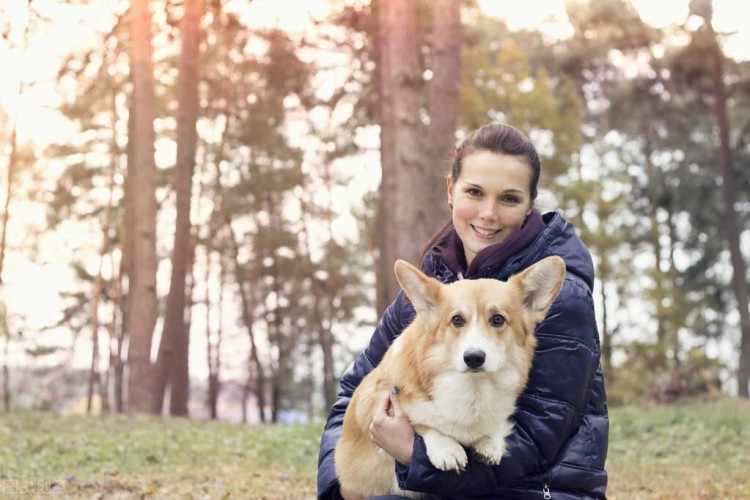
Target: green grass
(697, 450)
(124, 457)
(691, 451)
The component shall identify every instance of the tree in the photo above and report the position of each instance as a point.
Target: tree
(13, 155)
(654, 117)
(94, 375)
(403, 220)
(5, 335)
(596, 192)
(442, 104)
(706, 39)
(140, 214)
(90, 190)
(12, 166)
(172, 363)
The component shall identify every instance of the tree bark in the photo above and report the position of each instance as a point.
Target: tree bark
(117, 332)
(739, 283)
(248, 317)
(403, 221)
(213, 345)
(172, 363)
(322, 314)
(94, 376)
(443, 103)
(6, 372)
(12, 160)
(141, 215)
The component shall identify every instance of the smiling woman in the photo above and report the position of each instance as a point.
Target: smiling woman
(494, 233)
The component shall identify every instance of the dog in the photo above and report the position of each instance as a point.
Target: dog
(458, 368)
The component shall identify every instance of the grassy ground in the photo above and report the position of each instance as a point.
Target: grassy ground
(135, 457)
(696, 451)
(688, 451)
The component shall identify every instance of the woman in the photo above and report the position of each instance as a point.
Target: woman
(559, 444)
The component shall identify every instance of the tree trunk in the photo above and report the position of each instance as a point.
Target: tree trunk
(739, 283)
(322, 314)
(6, 372)
(94, 379)
(403, 221)
(322, 301)
(662, 323)
(443, 103)
(12, 159)
(248, 317)
(213, 343)
(141, 215)
(276, 336)
(172, 363)
(117, 332)
(94, 376)
(674, 313)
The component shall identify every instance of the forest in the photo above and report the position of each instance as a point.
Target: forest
(218, 224)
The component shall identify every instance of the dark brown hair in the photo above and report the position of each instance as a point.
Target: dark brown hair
(495, 138)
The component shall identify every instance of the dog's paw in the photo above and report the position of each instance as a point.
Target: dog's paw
(490, 450)
(445, 453)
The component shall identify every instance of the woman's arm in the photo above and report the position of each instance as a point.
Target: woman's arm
(395, 318)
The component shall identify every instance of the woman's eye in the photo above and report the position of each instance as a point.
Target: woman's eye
(511, 200)
(458, 321)
(474, 192)
(497, 320)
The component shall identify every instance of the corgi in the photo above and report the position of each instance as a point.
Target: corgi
(458, 368)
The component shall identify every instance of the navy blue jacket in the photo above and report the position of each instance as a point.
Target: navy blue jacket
(559, 442)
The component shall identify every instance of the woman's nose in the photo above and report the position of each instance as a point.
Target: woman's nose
(487, 210)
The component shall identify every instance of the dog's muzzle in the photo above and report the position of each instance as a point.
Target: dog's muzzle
(474, 359)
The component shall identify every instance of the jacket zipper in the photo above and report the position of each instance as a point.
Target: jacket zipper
(545, 487)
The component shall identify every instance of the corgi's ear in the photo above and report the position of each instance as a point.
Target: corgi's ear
(540, 283)
(423, 291)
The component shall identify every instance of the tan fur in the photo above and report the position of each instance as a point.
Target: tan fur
(448, 404)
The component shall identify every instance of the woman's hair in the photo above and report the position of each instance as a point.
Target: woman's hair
(496, 138)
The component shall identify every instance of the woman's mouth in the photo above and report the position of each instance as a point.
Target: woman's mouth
(484, 232)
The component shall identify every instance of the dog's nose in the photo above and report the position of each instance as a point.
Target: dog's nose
(474, 358)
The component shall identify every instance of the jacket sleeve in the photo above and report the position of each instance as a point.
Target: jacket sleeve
(394, 320)
(548, 411)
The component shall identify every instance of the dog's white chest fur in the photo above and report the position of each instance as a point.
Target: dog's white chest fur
(465, 406)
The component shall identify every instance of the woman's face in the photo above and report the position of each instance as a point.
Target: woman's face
(491, 199)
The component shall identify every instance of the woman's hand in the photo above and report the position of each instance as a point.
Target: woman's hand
(394, 434)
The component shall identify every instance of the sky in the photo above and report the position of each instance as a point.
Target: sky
(549, 16)
(72, 27)
(29, 284)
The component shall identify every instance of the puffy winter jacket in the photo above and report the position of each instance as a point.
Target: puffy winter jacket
(559, 444)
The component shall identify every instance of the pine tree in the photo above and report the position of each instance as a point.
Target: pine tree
(140, 215)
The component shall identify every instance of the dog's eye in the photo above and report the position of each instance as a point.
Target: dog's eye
(458, 321)
(497, 320)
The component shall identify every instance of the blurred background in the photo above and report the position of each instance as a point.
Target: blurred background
(201, 200)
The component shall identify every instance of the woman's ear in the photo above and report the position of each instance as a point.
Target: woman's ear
(450, 191)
